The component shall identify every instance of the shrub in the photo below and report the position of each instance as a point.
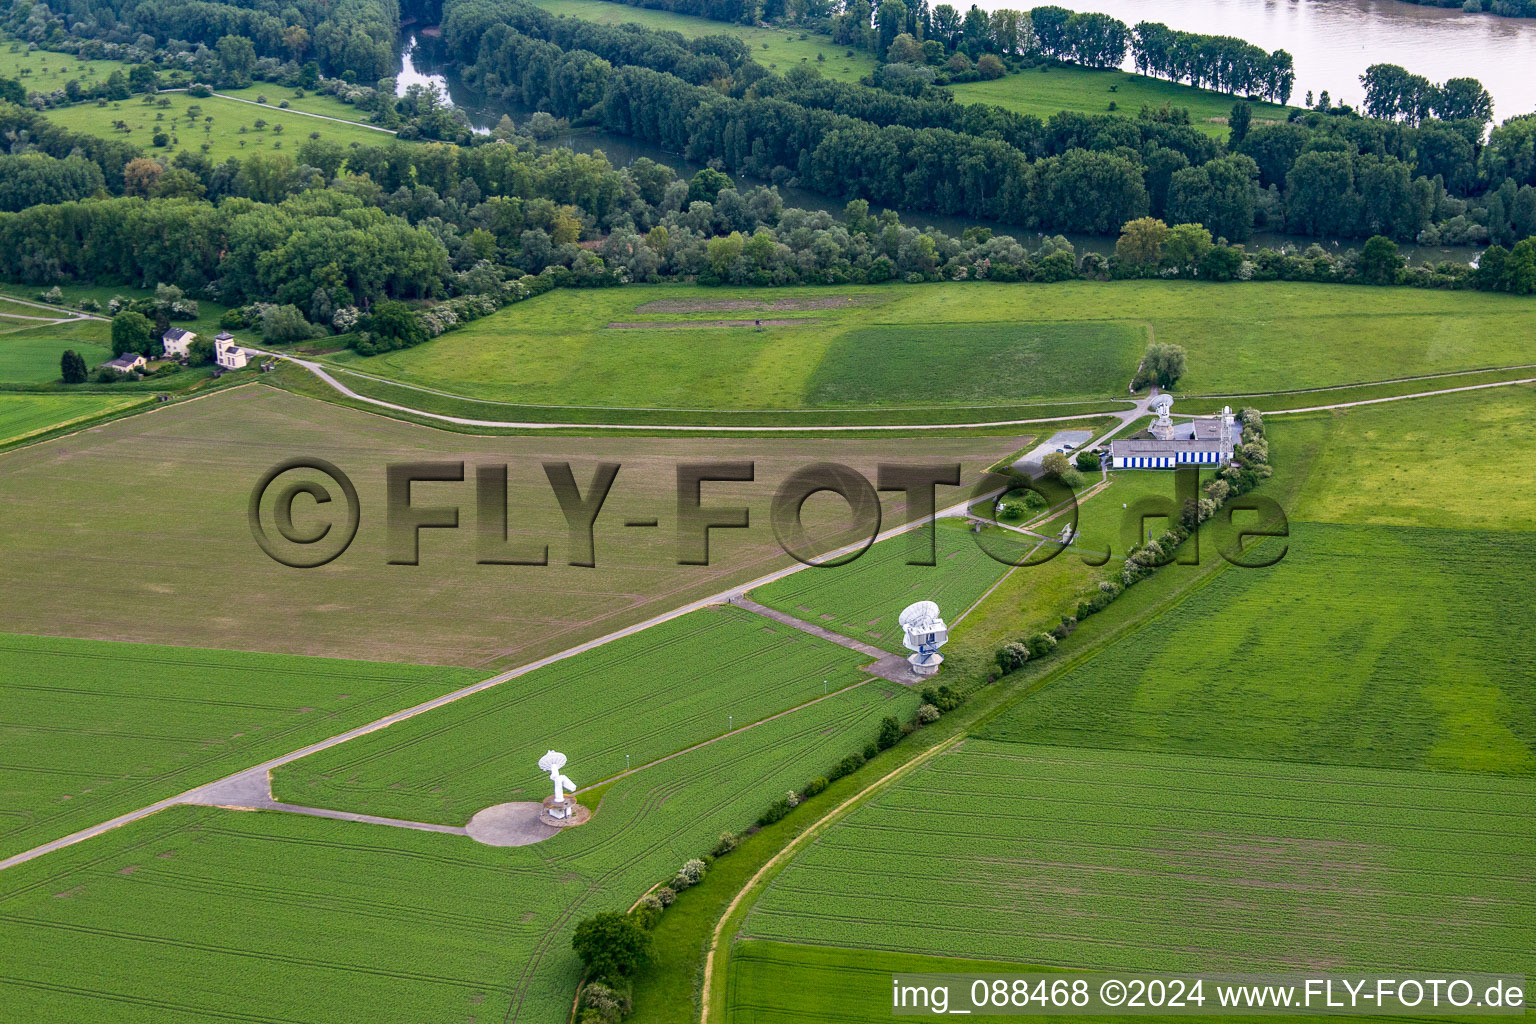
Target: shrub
(646, 914)
(847, 766)
(927, 714)
(870, 751)
(816, 785)
(890, 733)
(727, 843)
(1088, 462)
(602, 1004)
(611, 945)
(1040, 645)
(775, 811)
(665, 894)
(944, 698)
(1012, 655)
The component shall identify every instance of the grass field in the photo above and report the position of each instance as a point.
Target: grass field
(223, 136)
(46, 70)
(156, 507)
(320, 103)
(92, 730)
(863, 598)
(999, 346)
(23, 415)
(297, 918)
(1161, 862)
(777, 49)
(30, 349)
(644, 696)
(1456, 462)
(1044, 91)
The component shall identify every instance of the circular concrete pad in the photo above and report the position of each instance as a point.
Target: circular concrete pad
(514, 824)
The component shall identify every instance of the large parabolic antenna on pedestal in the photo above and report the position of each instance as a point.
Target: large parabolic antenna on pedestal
(552, 762)
(924, 633)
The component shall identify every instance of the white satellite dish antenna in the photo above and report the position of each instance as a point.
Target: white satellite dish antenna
(1163, 428)
(925, 632)
(552, 762)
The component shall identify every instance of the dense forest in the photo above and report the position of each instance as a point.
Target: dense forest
(1318, 174)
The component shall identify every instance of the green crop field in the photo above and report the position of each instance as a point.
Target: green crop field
(1278, 663)
(1160, 862)
(289, 917)
(1044, 91)
(92, 730)
(232, 132)
(156, 506)
(862, 598)
(23, 415)
(999, 344)
(643, 696)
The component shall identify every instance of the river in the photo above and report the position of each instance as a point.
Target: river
(1334, 41)
(418, 67)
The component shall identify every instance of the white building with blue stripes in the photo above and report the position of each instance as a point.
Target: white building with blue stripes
(1208, 441)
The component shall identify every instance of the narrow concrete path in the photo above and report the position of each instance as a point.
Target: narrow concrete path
(251, 790)
(64, 314)
(324, 375)
(891, 667)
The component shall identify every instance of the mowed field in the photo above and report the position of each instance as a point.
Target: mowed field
(998, 346)
(623, 704)
(1132, 860)
(30, 349)
(153, 511)
(91, 730)
(200, 912)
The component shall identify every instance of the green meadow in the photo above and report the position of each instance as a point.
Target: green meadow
(92, 730)
(232, 132)
(29, 353)
(1048, 89)
(999, 346)
(775, 48)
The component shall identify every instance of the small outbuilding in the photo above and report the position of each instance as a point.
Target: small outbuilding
(128, 362)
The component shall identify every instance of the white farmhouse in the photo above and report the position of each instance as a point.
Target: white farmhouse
(226, 353)
(1209, 442)
(125, 363)
(176, 342)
